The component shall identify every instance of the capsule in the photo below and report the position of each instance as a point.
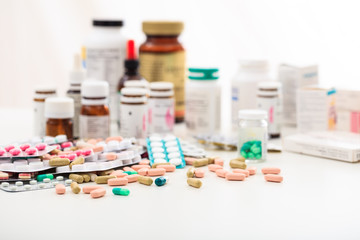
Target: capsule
(156, 164)
(60, 189)
(103, 179)
(201, 162)
(76, 178)
(92, 177)
(270, 170)
(161, 181)
(235, 176)
(235, 163)
(246, 172)
(118, 181)
(138, 167)
(41, 177)
(143, 171)
(191, 172)
(273, 178)
(214, 167)
(196, 183)
(128, 169)
(168, 168)
(58, 162)
(252, 170)
(219, 161)
(145, 180)
(75, 187)
(118, 173)
(132, 178)
(121, 191)
(199, 173)
(189, 160)
(78, 160)
(89, 188)
(156, 172)
(221, 172)
(130, 172)
(86, 177)
(211, 160)
(98, 193)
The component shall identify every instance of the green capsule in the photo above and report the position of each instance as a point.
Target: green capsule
(258, 156)
(246, 146)
(121, 191)
(251, 156)
(131, 172)
(41, 177)
(255, 149)
(244, 154)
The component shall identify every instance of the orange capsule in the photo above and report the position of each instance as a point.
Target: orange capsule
(189, 160)
(156, 172)
(118, 173)
(138, 167)
(87, 189)
(128, 169)
(111, 156)
(168, 168)
(252, 170)
(144, 162)
(246, 172)
(270, 170)
(199, 173)
(116, 138)
(60, 189)
(98, 193)
(221, 172)
(273, 178)
(118, 181)
(214, 167)
(235, 176)
(143, 171)
(98, 148)
(132, 178)
(219, 161)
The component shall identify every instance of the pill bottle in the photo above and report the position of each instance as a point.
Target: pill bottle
(41, 93)
(59, 112)
(244, 86)
(162, 58)
(94, 114)
(203, 101)
(269, 100)
(252, 134)
(77, 76)
(105, 50)
(133, 109)
(161, 108)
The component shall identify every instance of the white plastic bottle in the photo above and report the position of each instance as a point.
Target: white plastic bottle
(203, 101)
(105, 55)
(244, 86)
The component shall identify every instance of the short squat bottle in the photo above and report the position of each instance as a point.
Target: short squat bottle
(59, 113)
(94, 114)
(253, 134)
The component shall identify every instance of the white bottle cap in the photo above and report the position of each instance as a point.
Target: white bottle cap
(253, 65)
(77, 74)
(136, 84)
(269, 85)
(252, 114)
(44, 91)
(91, 88)
(59, 107)
(161, 86)
(133, 95)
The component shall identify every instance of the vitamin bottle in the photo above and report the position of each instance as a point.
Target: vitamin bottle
(59, 112)
(41, 93)
(77, 76)
(94, 114)
(105, 54)
(203, 101)
(133, 108)
(162, 58)
(269, 100)
(252, 134)
(161, 107)
(244, 86)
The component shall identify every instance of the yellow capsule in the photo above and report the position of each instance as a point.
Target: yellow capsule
(103, 179)
(145, 180)
(75, 187)
(201, 162)
(234, 163)
(211, 160)
(196, 183)
(58, 162)
(107, 172)
(76, 178)
(86, 177)
(191, 172)
(78, 160)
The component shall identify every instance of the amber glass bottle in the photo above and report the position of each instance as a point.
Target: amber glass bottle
(162, 58)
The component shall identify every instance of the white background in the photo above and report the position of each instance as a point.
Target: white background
(39, 37)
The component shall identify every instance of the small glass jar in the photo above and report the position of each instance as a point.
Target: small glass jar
(253, 134)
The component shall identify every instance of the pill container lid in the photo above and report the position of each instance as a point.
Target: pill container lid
(161, 86)
(162, 27)
(44, 91)
(133, 95)
(269, 85)
(108, 23)
(252, 114)
(253, 65)
(91, 88)
(203, 74)
(136, 84)
(59, 107)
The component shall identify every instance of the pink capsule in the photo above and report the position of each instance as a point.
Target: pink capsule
(2, 152)
(8, 148)
(78, 152)
(30, 151)
(62, 156)
(15, 151)
(71, 156)
(24, 146)
(40, 146)
(87, 152)
(66, 144)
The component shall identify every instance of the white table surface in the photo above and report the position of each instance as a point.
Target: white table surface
(319, 199)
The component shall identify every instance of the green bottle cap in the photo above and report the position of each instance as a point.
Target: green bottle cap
(203, 74)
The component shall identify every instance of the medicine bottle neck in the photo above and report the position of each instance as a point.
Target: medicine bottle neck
(98, 101)
(162, 39)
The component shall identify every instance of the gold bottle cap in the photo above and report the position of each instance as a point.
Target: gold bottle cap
(162, 27)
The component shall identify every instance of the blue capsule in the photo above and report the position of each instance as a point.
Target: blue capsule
(161, 181)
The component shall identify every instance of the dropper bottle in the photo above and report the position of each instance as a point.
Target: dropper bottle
(77, 76)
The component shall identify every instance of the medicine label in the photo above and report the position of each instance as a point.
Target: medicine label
(161, 115)
(133, 120)
(94, 126)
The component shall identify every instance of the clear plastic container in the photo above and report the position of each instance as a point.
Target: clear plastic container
(253, 134)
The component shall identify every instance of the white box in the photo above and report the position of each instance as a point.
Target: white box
(293, 77)
(343, 146)
(348, 121)
(348, 100)
(315, 110)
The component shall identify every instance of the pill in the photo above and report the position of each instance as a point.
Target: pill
(75, 187)
(118, 181)
(76, 178)
(161, 181)
(199, 173)
(157, 164)
(168, 168)
(40, 146)
(144, 162)
(23, 147)
(157, 150)
(66, 144)
(211, 160)
(138, 167)
(41, 177)
(86, 177)
(115, 138)
(98, 193)
(171, 144)
(4, 176)
(156, 172)
(130, 172)
(41, 185)
(57, 162)
(219, 161)
(252, 170)
(33, 182)
(46, 157)
(235, 176)
(87, 152)
(19, 183)
(214, 167)
(24, 175)
(31, 151)
(98, 148)
(200, 162)
(158, 155)
(118, 173)
(273, 178)
(270, 170)
(92, 177)
(175, 161)
(107, 172)
(156, 144)
(234, 163)
(145, 180)
(78, 160)
(2, 152)
(111, 156)
(196, 183)
(68, 181)
(246, 172)
(71, 157)
(55, 151)
(13, 188)
(103, 179)
(60, 189)
(92, 141)
(54, 183)
(87, 189)
(159, 160)
(221, 172)
(143, 171)
(121, 191)
(15, 151)
(174, 155)
(9, 147)
(59, 178)
(132, 178)
(5, 184)
(190, 172)
(46, 180)
(128, 169)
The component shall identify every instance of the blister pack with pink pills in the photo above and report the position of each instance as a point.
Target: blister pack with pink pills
(24, 150)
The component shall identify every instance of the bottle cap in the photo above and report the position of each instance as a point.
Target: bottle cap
(252, 114)
(254, 65)
(91, 88)
(269, 85)
(203, 73)
(77, 74)
(162, 27)
(133, 91)
(59, 107)
(108, 23)
(44, 91)
(161, 86)
(136, 84)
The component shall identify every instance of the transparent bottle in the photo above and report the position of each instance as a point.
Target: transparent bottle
(253, 134)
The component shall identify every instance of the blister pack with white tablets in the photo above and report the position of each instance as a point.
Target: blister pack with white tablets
(32, 185)
(167, 149)
(191, 150)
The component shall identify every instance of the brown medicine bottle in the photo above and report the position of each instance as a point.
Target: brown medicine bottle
(162, 58)
(59, 112)
(94, 113)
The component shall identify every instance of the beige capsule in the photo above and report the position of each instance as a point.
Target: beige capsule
(76, 178)
(58, 162)
(77, 161)
(201, 162)
(145, 180)
(103, 179)
(211, 160)
(92, 177)
(75, 187)
(196, 183)
(107, 172)
(191, 172)
(234, 163)
(241, 159)
(86, 177)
